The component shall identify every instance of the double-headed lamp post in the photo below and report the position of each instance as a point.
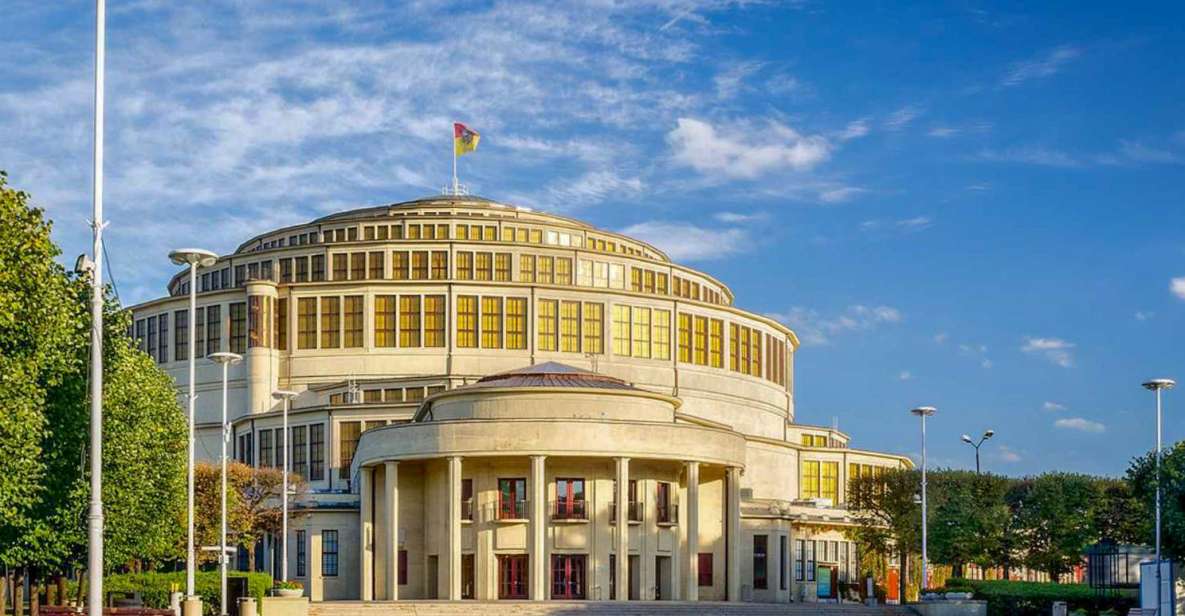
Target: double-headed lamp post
(967, 439)
(194, 258)
(1158, 385)
(227, 360)
(286, 396)
(924, 412)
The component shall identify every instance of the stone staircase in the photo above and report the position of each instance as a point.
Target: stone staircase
(593, 608)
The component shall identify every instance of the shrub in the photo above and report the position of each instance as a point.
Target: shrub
(1012, 598)
(154, 588)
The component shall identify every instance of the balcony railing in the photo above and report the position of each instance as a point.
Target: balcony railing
(569, 509)
(668, 514)
(512, 509)
(467, 509)
(633, 511)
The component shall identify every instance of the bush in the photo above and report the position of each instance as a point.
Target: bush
(1012, 598)
(154, 588)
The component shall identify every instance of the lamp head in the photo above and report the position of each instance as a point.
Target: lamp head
(83, 264)
(282, 394)
(193, 256)
(1158, 384)
(924, 411)
(226, 358)
(967, 439)
(989, 434)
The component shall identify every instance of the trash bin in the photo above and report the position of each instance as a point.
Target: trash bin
(245, 606)
(236, 590)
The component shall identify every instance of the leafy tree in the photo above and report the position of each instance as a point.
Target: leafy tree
(253, 504)
(1120, 516)
(1053, 517)
(889, 519)
(1141, 476)
(968, 515)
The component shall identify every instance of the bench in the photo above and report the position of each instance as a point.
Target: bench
(63, 610)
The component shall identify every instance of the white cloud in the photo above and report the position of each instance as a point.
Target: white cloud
(739, 218)
(1007, 454)
(730, 81)
(902, 117)
(941, 337)
(1144, 315)
(916, 223)
(1056, 350)
(854, 130)
(944, 132)
(841, 194)
(814, 328)
(686, 242)
(744, 151)
(1080, 424)
(1043, 66)
(1030, 155)
(1138, 152)
(904, 375)
(1177, 287)
(1053, 406)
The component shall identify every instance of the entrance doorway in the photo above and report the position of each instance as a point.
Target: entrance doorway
(567, 576)
(635, 578)
(467, 575)
(662, 578)
(512, 576)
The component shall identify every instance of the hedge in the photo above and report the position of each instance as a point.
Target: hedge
(154, 588)
(1013, 598)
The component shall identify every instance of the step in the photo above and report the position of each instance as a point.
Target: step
(592, 608)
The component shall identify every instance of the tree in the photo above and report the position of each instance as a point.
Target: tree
(253, 504)
(1141, 476)
(968, 516)
(889, 519)
(1120, 516)
(1054, 517)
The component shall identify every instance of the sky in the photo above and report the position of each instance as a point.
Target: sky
(975, 206)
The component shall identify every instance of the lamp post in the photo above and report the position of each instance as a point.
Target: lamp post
(924, 412)
(1158, 385)
(193, 257)
(286, 396)
(227, 360)
(94, 600)
(986, 436)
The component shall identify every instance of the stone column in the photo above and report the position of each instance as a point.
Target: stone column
(391, 493)
(623, 529)
(538, 504)
(691, 584)
(733, 521)
(260, 362)
(454, 528)
(366, 535)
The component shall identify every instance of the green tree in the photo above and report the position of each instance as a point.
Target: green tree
(968, 515)
(253, 504)
(1120, 516)
(1053, 518)
(888, 516)
(1141, 476)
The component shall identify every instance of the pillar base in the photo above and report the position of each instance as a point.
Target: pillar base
(191, 606)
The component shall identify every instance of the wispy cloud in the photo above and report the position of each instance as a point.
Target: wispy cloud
(841, 194)
(687, 242)
(1008, 454)
(1053, 406)
(944, 132)
(854, 130)
(1030, 155)
(1144, 315)
(814, 328)
(904, 375)
(941, 338)
(731, 80)
(904, 225)
(1055, 350)
(1080, 424)
(745, 150)
(1045, 65)
(739, 218)
(902, 117)
(1177, 287)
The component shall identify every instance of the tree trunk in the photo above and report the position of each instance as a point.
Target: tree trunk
(61, 581)
(901, 584)
(81, 587)
(4, 593)
(34, 596)
(18, 593)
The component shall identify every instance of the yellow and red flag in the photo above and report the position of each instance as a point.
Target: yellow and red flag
(464, 139)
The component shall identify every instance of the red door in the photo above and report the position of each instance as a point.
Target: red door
(512, 576)
(892, 587)
(567, 576)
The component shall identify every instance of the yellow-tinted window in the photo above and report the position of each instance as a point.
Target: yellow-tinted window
(384, 320)
(662, 334)
(419, 265)
(661, 287)
(563, 270)
(536, 236)
(829, 487)
(413, 232)
(745, 350)
(546, 325)
(399, 265)
(700, 341)
(640, 344)
(442, 232)
(485, 266)
(507, 234)
(755, 353)
(546, 270)
(462, 232)
(375, 265)
(621, 330)
(467, 321)
(396, 232)
(429, 232)
(716, 343)
(648, 281)
(520, 235)
(685, 338)
(635, 279)
(526, 268)
(306, 323)
(340, 263)
(502, 267)
(409, 321)
(516, 323)
(439, 264)
(353, 321)
(593, 325)
(570, 327)
(810, 479)
(434, 321)
(491, 322)
(489, 233)
(330, 322)
(734, 348)
(464, 265)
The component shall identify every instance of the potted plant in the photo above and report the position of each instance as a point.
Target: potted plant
(289, 588)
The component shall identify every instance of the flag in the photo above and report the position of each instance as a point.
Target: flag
(464, 139)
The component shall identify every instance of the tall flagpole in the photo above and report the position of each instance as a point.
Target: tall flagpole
(94, 600)
(456, 185)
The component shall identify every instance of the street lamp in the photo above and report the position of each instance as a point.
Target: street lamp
(286, 396)
(193, 257)
(1158, 385)
(986, 436)
(924, 412)
(227, 360)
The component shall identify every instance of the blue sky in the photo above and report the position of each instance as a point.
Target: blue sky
(975, 206)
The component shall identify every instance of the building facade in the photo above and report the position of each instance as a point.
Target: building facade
(484, 394)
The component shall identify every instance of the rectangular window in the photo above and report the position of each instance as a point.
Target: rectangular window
(464, 266)
(348, 433)
(716, 343)
(829, 486)
(635, 279)
(149, 343)
(329, 553)
(546, 324)
(810, 561)
(467, 321)
(685, 338)
(760, 564)
(409, 321)
(258, 312)
(502, 267)
(279, 440)
(491, 322)
(357, 266)
(300, 451)
(569, 499)
(301, 555)
(662, 334)
(667, 514)
(353, 321)
(400, 265)
(267, 450)
(570, 327)
(213, 329)
(402, 565)
(648, 282)
(512, 499)
(340, 264)
(745, 347)
(594, 328)
(281, 325)
(199, 333)
(238, 327)
(484, 270)
(162, 348)
(180, 335)
(318, 274)
(306, 323)
(810, 479)
(466, 499)
(419, 265)
(734, 349)
(755, 353)
(375, 265)
(783, 569)
(640, 344)
(705, 569)
(567, 576)
(384, 320)
(799, 554)
(434, 321)
(317, 452)
(546, 272)
(699, 341)
(516, 323)
(331, 322)
(621, 330)
(439, 265)
(526, 268)
(563, 270)
(285, 270)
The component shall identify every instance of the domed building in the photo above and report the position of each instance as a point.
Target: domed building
(497, 403)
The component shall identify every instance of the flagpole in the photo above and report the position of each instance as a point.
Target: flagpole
(454, 143)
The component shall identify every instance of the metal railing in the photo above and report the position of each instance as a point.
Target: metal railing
(634, 512)
(668, 514)
(569, 509)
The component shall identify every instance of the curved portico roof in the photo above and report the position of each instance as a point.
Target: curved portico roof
(549, 374)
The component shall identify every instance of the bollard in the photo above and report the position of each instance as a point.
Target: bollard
(1059, 608)
(247, 606)
(175, 602)
(192, 606)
